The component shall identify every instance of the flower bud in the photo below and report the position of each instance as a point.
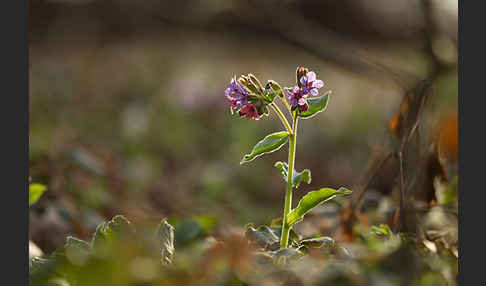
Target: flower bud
(243, 80)
(255, 82)
(300, 72)
(246, 82)
(276, 87)
(253, 88)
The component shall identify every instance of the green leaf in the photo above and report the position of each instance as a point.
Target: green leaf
(264, 237)
(311, 200)
(262, 258)
(107, 233)
(382, 231)
(318, 242)
(165, 240)
(269, 144)
(316, 105)
(42, 270)
(35, 192)
(298, 177)
(63, 266)
(47, 271)
(77, 251)
(287, 255)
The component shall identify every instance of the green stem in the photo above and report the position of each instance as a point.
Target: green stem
(284, 239)
(286, 104)
(282, 117)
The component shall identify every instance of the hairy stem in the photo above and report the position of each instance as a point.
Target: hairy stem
(286, 104)
(282, 117)
(284, 239)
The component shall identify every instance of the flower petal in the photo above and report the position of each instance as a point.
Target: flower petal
(317, 83)
(314, 92)
(293, 101)
(241, 90)
(233, 82)
(303, 80)
(311, 76)
(304, 90)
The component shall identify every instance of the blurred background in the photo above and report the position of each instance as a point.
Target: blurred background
(128, 114)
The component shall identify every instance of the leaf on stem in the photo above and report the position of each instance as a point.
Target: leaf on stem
(298, 177)
(264, 237)
(285, 256)
(269, 144)
(318, 242)
(311, 200)
(77, 251)
(316, 105)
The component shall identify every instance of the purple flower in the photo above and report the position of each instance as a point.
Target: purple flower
(238, 98)
(310, 84)
(297, 99)
(236, 95)
(307, 84)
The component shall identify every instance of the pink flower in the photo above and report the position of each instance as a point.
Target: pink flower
(297, 99)
(307, 84)
(310, 84)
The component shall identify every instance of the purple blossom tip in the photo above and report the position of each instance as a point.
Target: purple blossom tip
(310, 84)
(307, 84)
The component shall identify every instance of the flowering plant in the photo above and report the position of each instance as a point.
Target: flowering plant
(247, 96)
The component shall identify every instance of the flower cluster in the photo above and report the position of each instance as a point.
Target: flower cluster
(236, 95)
(250, 99)
(245, 96)
(306, 84)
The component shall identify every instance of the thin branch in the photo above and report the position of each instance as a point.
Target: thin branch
(282, 117)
